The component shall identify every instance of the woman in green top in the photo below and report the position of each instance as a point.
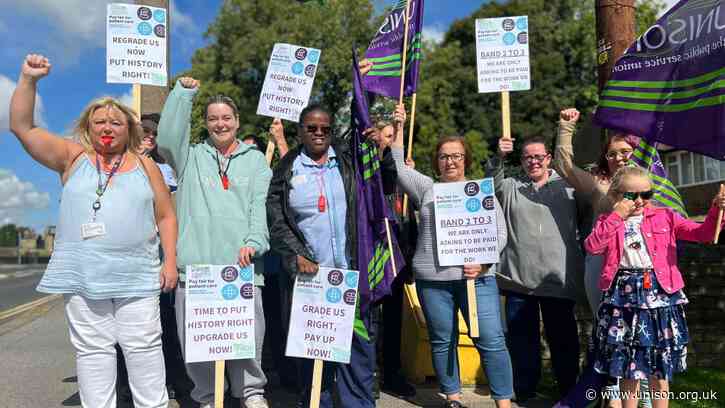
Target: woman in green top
(222, 218)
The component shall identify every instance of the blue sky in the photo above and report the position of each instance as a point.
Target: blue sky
(71, 33)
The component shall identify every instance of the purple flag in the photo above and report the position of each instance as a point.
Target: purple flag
(386, 50)
(669, 86)
(373, 252)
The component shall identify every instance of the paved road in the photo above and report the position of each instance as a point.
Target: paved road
(38, 369)
(17, 284)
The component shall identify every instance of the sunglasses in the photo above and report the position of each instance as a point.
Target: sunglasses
(313, 129)
(633, 195)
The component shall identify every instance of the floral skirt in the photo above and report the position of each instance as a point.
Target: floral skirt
(641, 329)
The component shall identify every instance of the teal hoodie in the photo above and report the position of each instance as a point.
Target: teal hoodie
(213, 223)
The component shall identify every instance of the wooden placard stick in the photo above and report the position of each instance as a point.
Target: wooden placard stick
(136, 96)
(505, 115)
(219, 384)
(719, 221)
(472, 308)
(270, 152)
(316, 384)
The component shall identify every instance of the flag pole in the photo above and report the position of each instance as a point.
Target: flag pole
(400, 101)
(402, 92)
(719, 221)
(405, 52)
(410, 148)
(390, 247)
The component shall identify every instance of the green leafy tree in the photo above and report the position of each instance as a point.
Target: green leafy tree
(8, 235)
(563, 69)
(242, 37)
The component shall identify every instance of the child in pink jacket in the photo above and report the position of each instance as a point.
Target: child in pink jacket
(641, 329)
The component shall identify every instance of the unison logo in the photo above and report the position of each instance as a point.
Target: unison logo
(690, 22)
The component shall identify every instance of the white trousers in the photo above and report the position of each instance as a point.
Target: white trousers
(95, 327)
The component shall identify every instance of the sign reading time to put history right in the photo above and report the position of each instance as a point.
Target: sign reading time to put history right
(502, 54)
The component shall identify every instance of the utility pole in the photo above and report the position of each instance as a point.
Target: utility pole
(153, 97)
(615, 33)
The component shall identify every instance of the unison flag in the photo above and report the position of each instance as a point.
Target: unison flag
(386, 51)
(669, 86)
(646, 155)
(373, 252)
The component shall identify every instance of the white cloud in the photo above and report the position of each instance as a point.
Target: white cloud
(7, 86)
(77, 25)
(127, 98)
(434, 34)
(18, 197)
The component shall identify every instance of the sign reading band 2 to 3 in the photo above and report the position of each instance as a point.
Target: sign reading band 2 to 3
(219, 320)
(323, 315)
(288, 83)
(502, 54)
(136, 45)
(465, 218)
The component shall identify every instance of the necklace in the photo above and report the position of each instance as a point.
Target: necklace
(103, 186)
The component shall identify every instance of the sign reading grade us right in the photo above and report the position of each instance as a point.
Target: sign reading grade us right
(502, 54)
(323, 314)
(465, 218)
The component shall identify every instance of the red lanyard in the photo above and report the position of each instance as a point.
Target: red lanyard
(223, 174)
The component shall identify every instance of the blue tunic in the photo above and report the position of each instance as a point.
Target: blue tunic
(122, 263)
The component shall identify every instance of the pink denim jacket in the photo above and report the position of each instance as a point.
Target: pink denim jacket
(661, 227)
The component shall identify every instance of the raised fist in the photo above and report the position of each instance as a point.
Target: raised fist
(189, 82)
(35, 66)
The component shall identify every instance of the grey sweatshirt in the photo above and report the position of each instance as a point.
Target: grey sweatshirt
(543, 256)
(420, 190)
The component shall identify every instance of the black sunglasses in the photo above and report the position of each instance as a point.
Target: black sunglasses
(313, 129)
(632, 195)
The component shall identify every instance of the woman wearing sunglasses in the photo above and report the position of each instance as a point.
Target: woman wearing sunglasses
(641, 332)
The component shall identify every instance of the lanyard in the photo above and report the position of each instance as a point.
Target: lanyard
(101, 189)
(223, 174)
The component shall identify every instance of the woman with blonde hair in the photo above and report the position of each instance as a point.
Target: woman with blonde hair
(107, 268)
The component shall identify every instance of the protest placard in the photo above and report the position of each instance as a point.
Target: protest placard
(502, 54)
(219, 313)
(323, 314)
(288, 83)
(136, 44)
(465, 217)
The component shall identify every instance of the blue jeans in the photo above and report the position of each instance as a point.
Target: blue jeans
(441, 301)
(524, 340)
